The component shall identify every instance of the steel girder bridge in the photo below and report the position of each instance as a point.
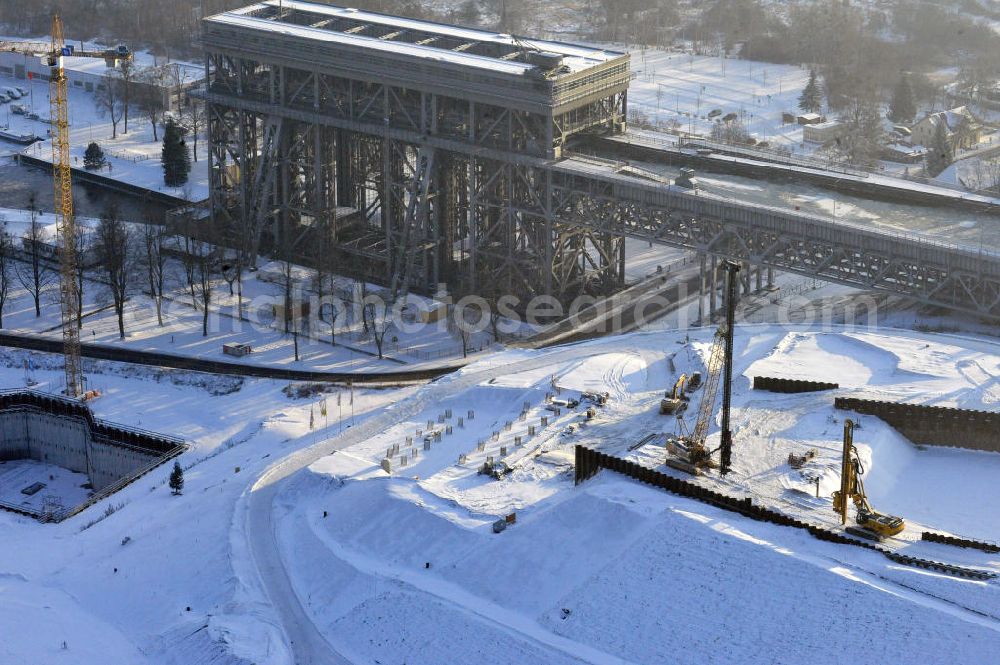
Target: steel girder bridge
(863, 256)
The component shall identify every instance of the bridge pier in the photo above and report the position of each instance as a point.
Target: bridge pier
(760, 278)
(770, 278)
(714, 281)
(702, 259)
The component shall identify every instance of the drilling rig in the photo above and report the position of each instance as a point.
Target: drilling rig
(871, 523)
(687, 452)
(55, 52)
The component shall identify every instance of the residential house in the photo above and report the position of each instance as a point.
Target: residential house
(962, 128)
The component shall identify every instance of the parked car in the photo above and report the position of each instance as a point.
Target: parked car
(4, 98)
(19, 109)
(12, 93)
(24, 93)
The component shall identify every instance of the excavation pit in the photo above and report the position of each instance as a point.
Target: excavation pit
(57, 459)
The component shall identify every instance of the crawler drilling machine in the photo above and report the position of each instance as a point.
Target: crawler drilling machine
(871, 523)
(688, 452)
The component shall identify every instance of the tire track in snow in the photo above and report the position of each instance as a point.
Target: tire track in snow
(308, 645)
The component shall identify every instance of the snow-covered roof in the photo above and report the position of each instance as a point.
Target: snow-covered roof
(906, 149)
(829, 124)
(952, 118)
(97, 66)
(394, 34)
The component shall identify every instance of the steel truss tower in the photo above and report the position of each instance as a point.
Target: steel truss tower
(424, 153)
(422, 149)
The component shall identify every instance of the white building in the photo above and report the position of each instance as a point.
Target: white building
(174, 80)
(823, 132)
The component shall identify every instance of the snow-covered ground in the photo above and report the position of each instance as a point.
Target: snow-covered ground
(679, 90)
(133, 158)
(613, 570)
(182, 329)
(293, 545)
(62, 487)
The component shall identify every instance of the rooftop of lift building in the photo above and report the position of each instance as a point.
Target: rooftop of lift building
(465, 47)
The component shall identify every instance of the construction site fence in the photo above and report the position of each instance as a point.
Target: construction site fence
(777, 385)
(955, 541)
(589, 462)
(933, 425)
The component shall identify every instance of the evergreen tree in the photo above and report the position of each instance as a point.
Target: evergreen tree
(468, 13)
(941, 152)
(93, 158)
(177, 479)
(903, 107)
(861, 140)
(811, 99)
(175, 156)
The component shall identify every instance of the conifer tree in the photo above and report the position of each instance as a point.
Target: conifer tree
(811, 99)
(940, 153)
(903, 107)
(177, 479)
(93, 158)
(175, 156)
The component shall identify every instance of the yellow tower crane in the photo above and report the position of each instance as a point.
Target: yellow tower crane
(55, 52)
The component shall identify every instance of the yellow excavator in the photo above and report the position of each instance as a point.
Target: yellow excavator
(676, 401)
(873, 524)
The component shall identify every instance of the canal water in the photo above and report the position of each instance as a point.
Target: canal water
(17, 183)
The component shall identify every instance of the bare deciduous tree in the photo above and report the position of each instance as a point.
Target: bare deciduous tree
(199, 262)
(6, 267)
(127, 75)
(325, 261)
(376, 314)
(115, 245)
(33, 273)
(194, 121)
(108, 99)
(81, 241)
(154, 262)
(149, 97)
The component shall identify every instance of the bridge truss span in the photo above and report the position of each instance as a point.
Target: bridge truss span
(866, 257)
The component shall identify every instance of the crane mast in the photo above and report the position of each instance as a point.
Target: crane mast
(65, 222)
(62, 178)
(690, 453)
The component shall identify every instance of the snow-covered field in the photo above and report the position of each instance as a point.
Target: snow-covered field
(674, 89)
(292, 545)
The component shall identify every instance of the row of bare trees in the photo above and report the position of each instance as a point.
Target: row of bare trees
(128, 89)
(121, 259)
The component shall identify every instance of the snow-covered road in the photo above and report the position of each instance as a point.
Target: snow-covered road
(305, 641)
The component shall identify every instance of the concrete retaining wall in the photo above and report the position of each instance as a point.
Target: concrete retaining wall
(933, 425)
(67, 442)
(64, 432)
